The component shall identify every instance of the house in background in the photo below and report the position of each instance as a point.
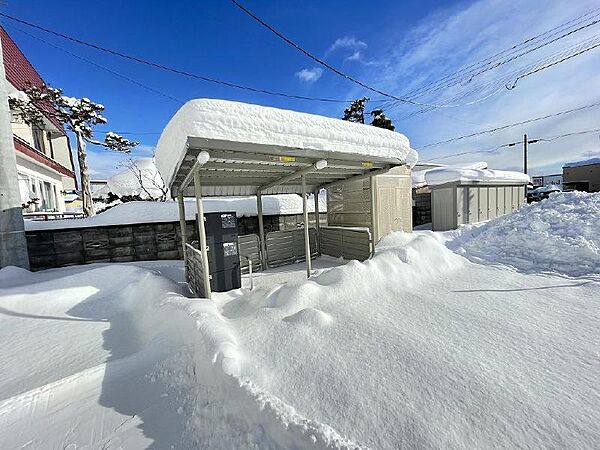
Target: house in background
(547, 180)
(44, 160)
(582, 175)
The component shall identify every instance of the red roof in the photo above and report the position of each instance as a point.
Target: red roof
(19, 71)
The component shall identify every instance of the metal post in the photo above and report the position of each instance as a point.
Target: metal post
(374, 219)
(306, 234)
(13, 244)
(317, 220)
(202, 236)
(525, 154)
(183, 229)
(261, 232)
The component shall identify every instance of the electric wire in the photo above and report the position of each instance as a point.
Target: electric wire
(171, 69)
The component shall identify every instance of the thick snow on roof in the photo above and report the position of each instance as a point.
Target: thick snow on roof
(465, 175)
(418, 177)
(243, 122)
(151, 212)
(586, 162)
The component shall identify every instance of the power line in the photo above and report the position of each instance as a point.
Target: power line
(95, 64)
(503, 127)
(451, 79)
(171, 69)
(313, 57)
(335, 70)
(514, 85)
(513, 144)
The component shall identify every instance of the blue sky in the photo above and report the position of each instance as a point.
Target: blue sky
(395, 46)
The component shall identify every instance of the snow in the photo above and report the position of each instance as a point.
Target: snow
(586, 162)
(451, 174)
(168, 211)
(418, 177)
(247, 123)
(127, 182)
(419, 347)
(560, 234)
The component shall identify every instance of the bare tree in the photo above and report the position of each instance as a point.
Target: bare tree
(79, 115)
(150, 181)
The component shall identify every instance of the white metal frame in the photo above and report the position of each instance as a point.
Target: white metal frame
(222, 168)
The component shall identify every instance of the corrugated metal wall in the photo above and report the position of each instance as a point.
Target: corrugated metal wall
(351, 204)
(287, 247)
(348, 243)
(457, 205)
(194, 270)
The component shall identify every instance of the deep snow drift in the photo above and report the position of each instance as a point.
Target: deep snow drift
(418, 347)
(560, 234)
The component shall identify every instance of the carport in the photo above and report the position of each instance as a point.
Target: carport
(196, 160)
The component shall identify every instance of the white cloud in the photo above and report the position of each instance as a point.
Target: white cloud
(310, 75)
(103, 162)
(347, 43)
(454, 38)
(356, 56)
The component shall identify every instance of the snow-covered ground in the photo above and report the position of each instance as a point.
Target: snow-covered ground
(419, 347)
(151, 212)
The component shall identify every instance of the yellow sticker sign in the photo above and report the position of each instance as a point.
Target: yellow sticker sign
(286, 158)
(367, 164)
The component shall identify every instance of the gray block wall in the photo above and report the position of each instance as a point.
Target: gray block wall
(127, 243)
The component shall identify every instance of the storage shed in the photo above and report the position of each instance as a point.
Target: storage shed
(222, 148)
(464, 196)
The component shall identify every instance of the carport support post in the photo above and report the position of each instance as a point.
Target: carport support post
(261, 231)
(306, 234)
(317, 219)
(183, 229)
(202, 235)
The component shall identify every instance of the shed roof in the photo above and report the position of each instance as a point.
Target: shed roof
(251, 146)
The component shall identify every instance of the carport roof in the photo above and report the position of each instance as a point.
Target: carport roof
(250, 147)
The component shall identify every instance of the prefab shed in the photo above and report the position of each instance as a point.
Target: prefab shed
(381, 203)
(486, 194)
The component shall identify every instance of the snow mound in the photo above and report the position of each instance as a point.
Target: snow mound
(560, 234)
(309, 317)
(247, 123)
(449, 174)
(427, 350)
(418, 176)
(140, 178)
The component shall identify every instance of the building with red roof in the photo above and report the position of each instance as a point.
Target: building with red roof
(44, 159)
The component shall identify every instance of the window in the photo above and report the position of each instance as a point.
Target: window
(51, 147)
(38, 139)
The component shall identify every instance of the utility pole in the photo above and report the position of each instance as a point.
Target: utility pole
(13, 245)
(525, 154)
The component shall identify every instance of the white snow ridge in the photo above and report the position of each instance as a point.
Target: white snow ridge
(419, 347)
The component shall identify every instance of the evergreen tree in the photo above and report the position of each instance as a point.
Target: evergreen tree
(79, 116)
(356, 111)
(380, 120)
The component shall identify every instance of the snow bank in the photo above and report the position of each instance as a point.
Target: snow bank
(418, 177)
(149, 212)
(420, 348)
(242, 122)
(560, 234)
(586, 162)
(150, 368)
(452, 174)
(140, 178)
